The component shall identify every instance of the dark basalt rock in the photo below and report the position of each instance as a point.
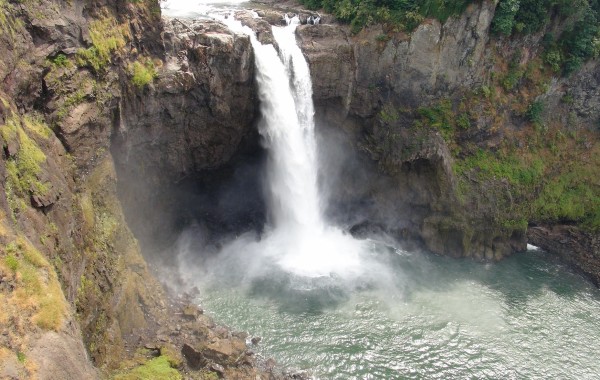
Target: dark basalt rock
(195, 359)
(579, 248)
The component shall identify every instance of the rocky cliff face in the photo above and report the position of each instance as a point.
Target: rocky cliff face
(361, 72)
(358, 79)
(92, 94)
(79, 297)
(179, 133)
(399, 99)
(61, 219)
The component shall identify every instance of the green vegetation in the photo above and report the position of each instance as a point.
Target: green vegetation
(108, 38)
(444, 118)
(546, 184)
(511, 167)
(403, 15)
(534, 112)
(504, 19)
(24, 168)
(577, 43)
(37, 295)
(142, 73)
(37, 125)
(514, 74)
(60, 60)
(570, 197)
(157, 368)
(11, 262)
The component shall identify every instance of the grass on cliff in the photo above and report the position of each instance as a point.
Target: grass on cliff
(37, 295)
(32, 298)
(143, 72)
(108, 38)
(551, 181)
(23, 169)
(559, 194)
(8, 23)
(157, 368)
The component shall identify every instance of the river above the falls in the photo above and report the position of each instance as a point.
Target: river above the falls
(528, 317)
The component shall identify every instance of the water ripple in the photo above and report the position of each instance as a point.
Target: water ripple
(523, 318)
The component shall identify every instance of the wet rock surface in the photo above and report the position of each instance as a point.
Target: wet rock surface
(579, 248)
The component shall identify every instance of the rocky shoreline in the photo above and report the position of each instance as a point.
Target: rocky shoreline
(576, 247)
(199, 347)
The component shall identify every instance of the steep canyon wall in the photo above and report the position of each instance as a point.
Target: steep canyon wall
(422, 105)
(113, 119)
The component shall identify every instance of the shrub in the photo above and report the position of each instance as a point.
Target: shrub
(36, 284)
(504, 19)
(553, 58)
(534, 112)
(60, 60)
(11, 262)
(533, 15)
(441, 117)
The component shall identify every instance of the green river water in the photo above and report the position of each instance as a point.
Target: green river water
(423, 316)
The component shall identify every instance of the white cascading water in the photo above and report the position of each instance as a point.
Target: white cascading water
(298, 239)
(288, 131)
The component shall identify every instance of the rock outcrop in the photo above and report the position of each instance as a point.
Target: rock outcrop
(576, 247)
(184, 128)
(360, 72)
(199, 109)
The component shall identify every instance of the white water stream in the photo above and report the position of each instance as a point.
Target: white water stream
(298, 238)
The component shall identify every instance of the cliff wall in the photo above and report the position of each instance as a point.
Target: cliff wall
(71, 270)
(469, 132)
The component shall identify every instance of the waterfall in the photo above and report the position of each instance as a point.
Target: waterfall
(297, 238)
(288, 132)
